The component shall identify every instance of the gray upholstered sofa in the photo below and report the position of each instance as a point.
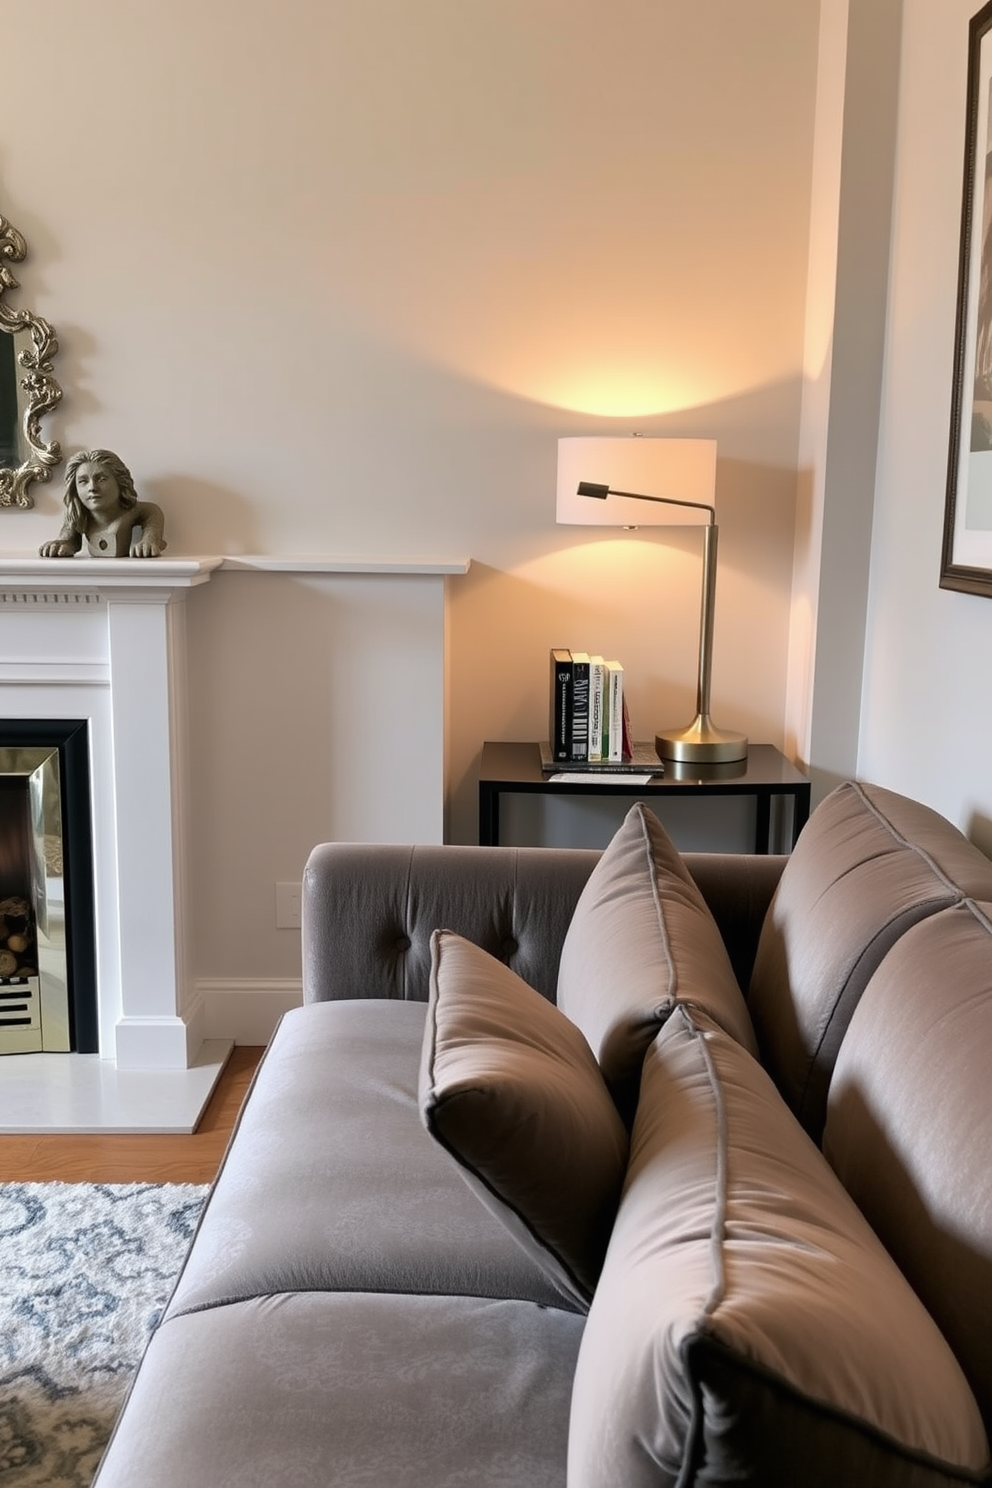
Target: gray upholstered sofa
(660, 1234)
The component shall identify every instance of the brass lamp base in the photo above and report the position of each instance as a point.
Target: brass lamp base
(702, 743)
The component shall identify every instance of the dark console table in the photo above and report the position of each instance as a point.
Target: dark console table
(509, 769)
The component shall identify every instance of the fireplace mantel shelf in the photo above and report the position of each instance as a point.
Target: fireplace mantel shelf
(69, 575)
(266, 563)
(26, 572)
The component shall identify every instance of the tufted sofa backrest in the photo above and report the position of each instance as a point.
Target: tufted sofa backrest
(369, 912)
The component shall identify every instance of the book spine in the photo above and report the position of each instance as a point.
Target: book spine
(614, 711)
(560, 722)
(597, 677)
(580, 705)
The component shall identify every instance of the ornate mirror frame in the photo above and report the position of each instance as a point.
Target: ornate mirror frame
(33, 393)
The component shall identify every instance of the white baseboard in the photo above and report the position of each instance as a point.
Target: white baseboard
(246, 1010)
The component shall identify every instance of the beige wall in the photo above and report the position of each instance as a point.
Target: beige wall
(334, 276)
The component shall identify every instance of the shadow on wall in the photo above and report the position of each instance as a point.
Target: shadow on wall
(823, 782)
(201, 516)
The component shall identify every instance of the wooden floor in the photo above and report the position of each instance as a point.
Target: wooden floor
(138, 1159)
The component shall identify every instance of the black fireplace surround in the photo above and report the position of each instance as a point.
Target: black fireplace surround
(71, 738)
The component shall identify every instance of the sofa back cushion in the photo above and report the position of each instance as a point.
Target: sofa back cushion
(868, 864)
(642, 940)
(909, 1122)
(511, 1089)
(748, 1326)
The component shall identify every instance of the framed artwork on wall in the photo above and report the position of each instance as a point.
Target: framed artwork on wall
(966, 562)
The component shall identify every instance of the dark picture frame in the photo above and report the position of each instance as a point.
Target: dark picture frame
(966, 560)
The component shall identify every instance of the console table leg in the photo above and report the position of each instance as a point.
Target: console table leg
(488, 815)
(762, 823)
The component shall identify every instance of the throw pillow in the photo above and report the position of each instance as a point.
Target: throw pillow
(511, 1089)
(748, 1326)
(868, 864)
(641, 940)
(909, 1122)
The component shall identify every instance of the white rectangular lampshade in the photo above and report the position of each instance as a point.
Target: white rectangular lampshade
(680, 469)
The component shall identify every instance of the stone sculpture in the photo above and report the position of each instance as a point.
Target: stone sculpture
(102, 506)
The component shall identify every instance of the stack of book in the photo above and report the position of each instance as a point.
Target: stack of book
(588, 722)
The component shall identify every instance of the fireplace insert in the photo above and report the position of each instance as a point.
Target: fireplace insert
(47, 936)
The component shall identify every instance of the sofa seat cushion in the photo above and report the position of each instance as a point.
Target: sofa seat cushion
(909, 1122)
(868, 864)
(641, 940)
(510, 1088)
(332, 1183)
(748, 1326)
(360, 1389)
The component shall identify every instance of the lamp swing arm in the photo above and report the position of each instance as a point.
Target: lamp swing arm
(708, 601)
(600, 492)
(702, 742)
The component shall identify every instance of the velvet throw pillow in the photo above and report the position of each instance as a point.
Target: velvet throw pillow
(641, 940)
(511, 1089)
(868, 864)
(748, 1326)
(909, 1122)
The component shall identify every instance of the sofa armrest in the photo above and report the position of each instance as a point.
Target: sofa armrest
(369, 911)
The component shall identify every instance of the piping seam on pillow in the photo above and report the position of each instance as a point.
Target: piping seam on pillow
(718, 1230)
(652, 869)
(913, 847)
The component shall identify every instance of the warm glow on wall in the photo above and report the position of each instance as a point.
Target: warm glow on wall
(604, 333)
(622, 392)
(578, 356)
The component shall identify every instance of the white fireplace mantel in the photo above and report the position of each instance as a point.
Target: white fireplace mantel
(104, 640)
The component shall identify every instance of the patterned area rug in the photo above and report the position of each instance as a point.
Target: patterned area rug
(85, 1272)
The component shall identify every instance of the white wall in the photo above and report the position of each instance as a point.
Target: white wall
(846, 305)
(334, 276)
(927, 708)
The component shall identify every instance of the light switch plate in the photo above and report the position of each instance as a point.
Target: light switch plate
(289, 906)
